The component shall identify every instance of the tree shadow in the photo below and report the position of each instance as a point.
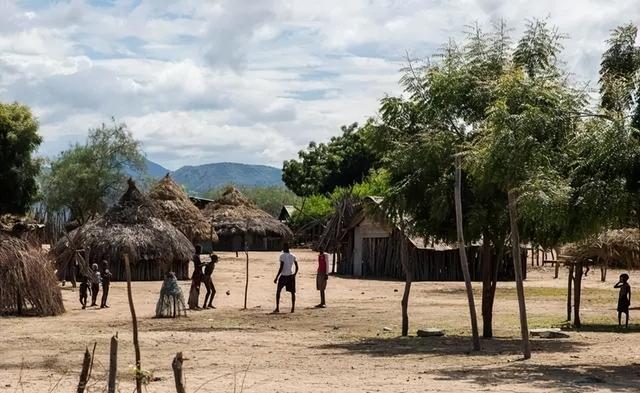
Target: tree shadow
(566, 378)
(448, 345)
(604, 328)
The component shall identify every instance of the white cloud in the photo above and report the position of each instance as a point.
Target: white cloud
(204, 81)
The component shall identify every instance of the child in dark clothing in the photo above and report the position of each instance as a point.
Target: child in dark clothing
(85, 291)
(208, 282)
(624, 298)
(95, 285)
(106, 282)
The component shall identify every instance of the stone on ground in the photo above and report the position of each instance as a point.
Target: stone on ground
(548, 333)
(430, 332)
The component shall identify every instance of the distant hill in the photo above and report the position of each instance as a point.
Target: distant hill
(201, 178)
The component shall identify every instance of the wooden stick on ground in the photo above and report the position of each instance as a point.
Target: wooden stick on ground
(113, 364)
(84, 375)
(134, 321)
(177, 372)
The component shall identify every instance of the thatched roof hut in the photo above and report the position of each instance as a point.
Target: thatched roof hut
(23, 227)
(178, 209)
(236, 220)
(134, 226)
(619, 247)
(28, 282)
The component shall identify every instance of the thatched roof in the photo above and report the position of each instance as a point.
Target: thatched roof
(133, 226)
(233, 213)
(621, 245)
(181, 212)
(28, 282)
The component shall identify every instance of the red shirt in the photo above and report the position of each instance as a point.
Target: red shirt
(322, 263)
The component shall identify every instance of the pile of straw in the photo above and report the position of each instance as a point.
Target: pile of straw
(178, 209)
(28, 283)
(620, 245)
(233, 213)
(133, 226)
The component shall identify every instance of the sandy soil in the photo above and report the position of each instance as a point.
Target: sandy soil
(343, 348)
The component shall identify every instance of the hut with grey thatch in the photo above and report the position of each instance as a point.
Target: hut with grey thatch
(28, 284)
(178, 209)
(136, 227)
(239, 223)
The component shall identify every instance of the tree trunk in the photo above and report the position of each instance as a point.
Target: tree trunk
(517, 265)
(113, 365)
(134, 321)
(577, 290)
(603, 270)
(463, 257)
(569, 289)
(408, 277)
(489, 266)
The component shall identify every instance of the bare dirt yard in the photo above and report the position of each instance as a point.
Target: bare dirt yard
(343, 348)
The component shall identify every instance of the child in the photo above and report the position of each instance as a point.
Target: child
(322, 276)
(286, 277)
(95, 285)
(106, 282)
(85, 291)
(208, 282)
(196, 280)
(624, 298)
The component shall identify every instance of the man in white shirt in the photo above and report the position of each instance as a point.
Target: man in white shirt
(286, 277)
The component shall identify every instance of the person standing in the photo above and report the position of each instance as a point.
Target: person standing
(286, 277)
(95, 284)
(322, 276)
(624, 298)
(106, 282)
(196, 280)
(208, 282)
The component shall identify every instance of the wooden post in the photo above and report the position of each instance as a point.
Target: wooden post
(569, 289)
(517, 264)
(408, 278)
(177, 373)
(84, 374)
(463, 256)
(557, 263)
(134, 321)
(577, 290)
(246, 281)
(113, 364)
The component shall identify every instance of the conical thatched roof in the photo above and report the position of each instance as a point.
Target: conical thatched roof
(133, 226)
(28, 283)
(233, 213)
(181, 212)
(621, 245)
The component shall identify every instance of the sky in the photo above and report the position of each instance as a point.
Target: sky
(252, 81)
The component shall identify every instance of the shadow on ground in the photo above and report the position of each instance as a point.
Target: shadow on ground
(567, 378)
(606, 328)
(449, 345)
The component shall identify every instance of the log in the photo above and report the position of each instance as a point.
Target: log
(84, 374)
(517, 265)
(134, 321)
(177, 373)
(464, 264)
(113, 364)
(569, 285)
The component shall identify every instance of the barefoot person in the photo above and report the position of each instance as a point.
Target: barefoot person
(208, 282)
(196, 280)
(106, 283)
(85, 291)
(286, 277)
(624, 298)
(322, 276)
(95, 284)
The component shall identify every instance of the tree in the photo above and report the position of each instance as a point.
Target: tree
(343, 161)
(86, 178)
(19, 138)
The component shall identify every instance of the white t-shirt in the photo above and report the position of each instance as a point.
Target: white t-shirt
(288, 260)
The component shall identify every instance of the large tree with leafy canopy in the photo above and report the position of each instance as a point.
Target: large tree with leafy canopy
(86, 178)
(19, 138)
(344, 161)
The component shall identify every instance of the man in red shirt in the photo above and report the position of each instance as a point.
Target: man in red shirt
(322, 276)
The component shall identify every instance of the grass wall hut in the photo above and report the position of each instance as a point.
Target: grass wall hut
(178, 209)
(133, 226)
(28, 284)
(238, 220)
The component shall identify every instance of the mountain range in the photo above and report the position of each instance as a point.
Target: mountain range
(201, 178)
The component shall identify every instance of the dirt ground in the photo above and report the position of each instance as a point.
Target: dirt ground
(351, 346)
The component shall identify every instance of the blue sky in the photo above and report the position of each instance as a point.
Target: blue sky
(202, 81)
